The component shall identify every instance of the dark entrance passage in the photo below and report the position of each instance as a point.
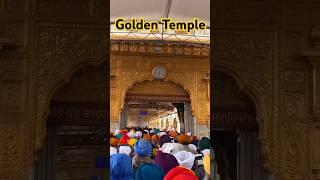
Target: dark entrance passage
(235, 132)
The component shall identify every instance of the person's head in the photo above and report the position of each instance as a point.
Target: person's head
(121, 167)
(204, 143)
(147, 137)
(113, 142)
(184, 139)
(164, 139)
(124, 140)
(143, 148)
(125, 149)
(149, 171)
(166, 161)
(180, 173)
(155, 139)
(185, 159)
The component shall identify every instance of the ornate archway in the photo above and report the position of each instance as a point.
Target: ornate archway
(133, 63)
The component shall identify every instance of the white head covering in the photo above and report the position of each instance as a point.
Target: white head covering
(117, 132)
(125, 150)
(146, 131)
(189, 134)
(161, 134)
(131, 134)
(151, 131)
(171, 148)
(185, 159)
(113, 151)
(193, 147)
(138, 134)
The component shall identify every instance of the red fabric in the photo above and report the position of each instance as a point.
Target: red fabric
(180, 173)
(124, 140)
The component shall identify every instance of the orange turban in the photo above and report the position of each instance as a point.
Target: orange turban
(173, 134)
(155, 138)
(113, 142)
(147, 137)
(184, 139)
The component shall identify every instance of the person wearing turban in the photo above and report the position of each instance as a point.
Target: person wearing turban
(121, 167)
(124, 140)
(171, 148)
(185, 140)
(131, 134)
(166, 161)
(125, 149)
(142, 149)
(147, 137)
(149, 171)
(204, 143)
(113, 142)
(113, 145)
(185, 159)
(164, 139)
(138, 134)
(180, 173)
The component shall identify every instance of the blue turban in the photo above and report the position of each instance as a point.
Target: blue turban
(149, 171)
(143, 148)
(121, 167)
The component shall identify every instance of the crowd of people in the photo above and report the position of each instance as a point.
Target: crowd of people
(150, 154)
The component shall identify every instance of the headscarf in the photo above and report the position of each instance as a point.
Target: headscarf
(166, 161)
(184, 139)
(121, 167)
(193, 147)
(149, 171)
(185, 159)
(171, 148)
(143, 148)
(204, 143)
(164, 139)
(180, 173)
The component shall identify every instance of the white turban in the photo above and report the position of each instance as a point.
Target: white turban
(185, 159)
(138, 134)
(161, 134)
(131, 134)
(171, 148)
(125, 150)
(117, 132)
(146, 131)
(113, 151)
(193, 147)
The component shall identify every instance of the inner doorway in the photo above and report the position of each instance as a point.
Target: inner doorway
(76, 135)
(158, 104)
(235, 132)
